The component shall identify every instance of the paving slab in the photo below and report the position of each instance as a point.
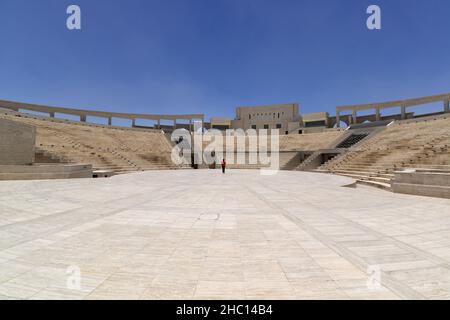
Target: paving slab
(199, 234)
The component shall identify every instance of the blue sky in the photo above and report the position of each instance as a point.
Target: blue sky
(209, 56)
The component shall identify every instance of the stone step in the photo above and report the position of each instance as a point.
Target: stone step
(386, 175)
(431, 166)
(354, 176)
(364, 168)
(379, 179)
(376, 184)
(362, 173)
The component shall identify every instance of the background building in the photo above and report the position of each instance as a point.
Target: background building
(267, 117)
(220, 123)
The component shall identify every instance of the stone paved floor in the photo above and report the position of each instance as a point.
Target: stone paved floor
(201, 235)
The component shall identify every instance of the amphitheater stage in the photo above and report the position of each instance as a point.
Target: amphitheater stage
(198, 234)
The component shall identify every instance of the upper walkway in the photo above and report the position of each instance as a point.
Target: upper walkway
(403, 104)
(84, 113)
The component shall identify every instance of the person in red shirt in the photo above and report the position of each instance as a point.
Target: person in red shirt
(224, 165)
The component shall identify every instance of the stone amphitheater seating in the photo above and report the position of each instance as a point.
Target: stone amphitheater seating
(421, 143)
(308, 142)
(290, 147)
(287, 161)
(106, 148)
(352, 140)
(298, 142)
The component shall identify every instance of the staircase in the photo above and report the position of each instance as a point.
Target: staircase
(111, 151)
(352, 140)
(43, 156)
(414, 145)
(307, 164)
(289, 161)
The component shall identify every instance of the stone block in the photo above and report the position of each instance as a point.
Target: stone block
(17, 143)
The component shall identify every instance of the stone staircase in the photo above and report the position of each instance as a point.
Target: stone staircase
(289, 161)
(339, 146)
(423, 144)
(305, 165)
(107, 149)
(352, 140)
(43, 156)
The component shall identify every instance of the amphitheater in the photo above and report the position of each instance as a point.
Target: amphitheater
(360, 212)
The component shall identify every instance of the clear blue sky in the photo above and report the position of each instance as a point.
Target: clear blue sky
(209, 56)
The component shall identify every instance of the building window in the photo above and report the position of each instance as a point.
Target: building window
(254, 126)
(278, 115)
(278, 125)
(249, 116)
(266, 126)
(310, 124)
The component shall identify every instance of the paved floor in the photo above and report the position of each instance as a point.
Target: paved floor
(198, 234)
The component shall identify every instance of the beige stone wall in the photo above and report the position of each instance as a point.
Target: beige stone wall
(316, 116)
(291, 142)
(293, 126)
(221, 122)
(308, 142)
(271, 116)
(17, 143)
(429, 183)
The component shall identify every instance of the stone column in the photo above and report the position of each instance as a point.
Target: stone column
(377, 114)
(109, 121)
(175, 123)
(83, 118)
(355, 117)
(159, 123)
(403, 112)
(446, 106)
(338, 120)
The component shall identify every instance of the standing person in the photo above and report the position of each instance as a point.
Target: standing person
(224, 164)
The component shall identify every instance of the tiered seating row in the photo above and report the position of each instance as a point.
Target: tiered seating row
(106, 148)
(422, 144)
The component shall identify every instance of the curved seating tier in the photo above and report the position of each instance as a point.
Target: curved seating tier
(105, 148)
(405, 144)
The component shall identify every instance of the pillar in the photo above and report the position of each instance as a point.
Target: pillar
(377, 114)
(446, 106)
(159, 123)
(83, 118)
(190, 125)
(403, 111)
(355, 117)
(338, 120)
(175, 123)
(133, 124)
(110, 121)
